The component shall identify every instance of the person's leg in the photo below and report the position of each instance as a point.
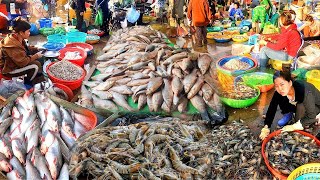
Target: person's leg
(204, 34)
(79, 20)
(268, 53)
(31, 71)
(198, 36)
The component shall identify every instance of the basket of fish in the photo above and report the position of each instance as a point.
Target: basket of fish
(32, 117)
(283, 152)
(240, 96)
(76, 55)
(92, 39)
(236, 65)
(307, 171)
(222, 38)
(96, 32)
(231, 33)
(264, 81)
(86, 47)
(240, 38)
(214, 29)
(210, 35)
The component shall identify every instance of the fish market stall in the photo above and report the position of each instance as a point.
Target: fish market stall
(140, 72)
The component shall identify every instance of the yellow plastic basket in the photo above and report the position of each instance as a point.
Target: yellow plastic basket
(277, 64)
(313, 168)
(313, 77)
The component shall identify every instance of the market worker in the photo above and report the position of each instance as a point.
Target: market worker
(261, 13)
(17, 58)
(300, 97)
(199, 14)
(79, 6)
(236, 12)
(311, 27)
(283, 47)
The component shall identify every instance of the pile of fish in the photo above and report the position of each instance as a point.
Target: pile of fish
(240, 91)
(66, 70)
(138, 63)
(31, 129)
(236, 64)
(172, 149)
(72, 55)
(289, 150)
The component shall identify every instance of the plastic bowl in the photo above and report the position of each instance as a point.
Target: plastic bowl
(80, 61)
(263, 81)
(210, 35)
(214, 29)
(76, 37)
(71, 84)
(240, 103)
(222, 40)
(87, 47)
(248, 60)
(54, 46)
(66, 89)
(89, 120)
(240, 38)
(56, 38)
(99, 34)
(275, 172)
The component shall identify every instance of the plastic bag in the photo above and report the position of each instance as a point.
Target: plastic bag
(99, 18)
(133, 15)
(9, 87)
(311, 51)
(215, 118)
(124, 23)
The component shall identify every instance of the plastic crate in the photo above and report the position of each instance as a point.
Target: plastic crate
(307, 171)
(45, 23)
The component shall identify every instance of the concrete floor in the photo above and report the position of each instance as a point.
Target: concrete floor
(252, 116)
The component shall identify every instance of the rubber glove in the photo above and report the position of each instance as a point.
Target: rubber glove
(293, 127)
(265, 131)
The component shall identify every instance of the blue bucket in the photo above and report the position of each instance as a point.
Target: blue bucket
(45, 23)
(241, 58)
(54, 46)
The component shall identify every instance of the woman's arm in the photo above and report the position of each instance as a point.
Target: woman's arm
(310, 109)
(272, 109)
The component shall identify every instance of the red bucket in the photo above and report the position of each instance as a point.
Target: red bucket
(71, 84)
(66, 89)
(275, 172)
(88, 119)
(82, 52)
(87, 47)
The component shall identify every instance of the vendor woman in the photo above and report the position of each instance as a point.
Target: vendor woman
(17, 58)
(292, 96)
(311, 27)
(283, 47)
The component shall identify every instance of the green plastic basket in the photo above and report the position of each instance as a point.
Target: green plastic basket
(264, 81)
(214, 29)
(237, 103)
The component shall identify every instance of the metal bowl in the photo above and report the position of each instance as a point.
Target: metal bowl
(51, 54)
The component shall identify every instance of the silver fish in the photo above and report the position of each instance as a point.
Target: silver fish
(104, 104)
(5, 125)
(79, 129)
(64, 173)
(32, 172)
(69, 140)
(54, 156)
(6, 111)
(16, 165)
(123, 89)
(121, 100)
(102, 94)
(4, 163)
(39, 162)
(67, 122)
(104, 86)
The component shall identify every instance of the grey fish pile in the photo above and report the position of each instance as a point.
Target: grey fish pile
(289, 150)
(138, 63)
(168, 150)
(30, 137)
(66, 70)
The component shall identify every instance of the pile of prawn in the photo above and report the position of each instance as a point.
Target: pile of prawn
(168, 150)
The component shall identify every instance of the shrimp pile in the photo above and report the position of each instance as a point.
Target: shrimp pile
(168, 150)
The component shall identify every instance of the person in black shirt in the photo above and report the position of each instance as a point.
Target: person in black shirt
(80, 8)
(300, 97)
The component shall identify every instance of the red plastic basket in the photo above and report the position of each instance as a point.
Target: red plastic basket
(71, 84)
(89, 119)
(80, 61)
(66, 89)
(99, 34)
(275, 172)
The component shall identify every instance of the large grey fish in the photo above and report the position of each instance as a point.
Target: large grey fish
(19, 150)
(175, 57)
(69, 140)
(4, 125)
(32, 172)
(107, 56)
(46, 141)
(160, 54)
(41, 105)
(200, 105)
(79, 129)
(204, 62)
(101, 77)
(85, 98)
(32, 135)
(157, 100)
(14, 175)
(54, 156)
(138, 82)
(64, 173)
(121, 100)
(122, 89)
(139, 75)
(149, 103)
(142, 101)
(16, 165)
(189, 80)
(177, 88)
(6, 111)
(4, 163)
(123, 81)
(154, 84)
(183, 103)
(196, 87)
(207, 91)
(185, 64)
(5, 145)
(104, 104)
(167, 93)
(40, 163)
(102, 94)
(67, 122)
(104, 86)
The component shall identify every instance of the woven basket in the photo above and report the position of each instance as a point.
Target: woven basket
(307, 171)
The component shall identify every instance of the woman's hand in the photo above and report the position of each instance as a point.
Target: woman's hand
(39, 54)
(265, 131)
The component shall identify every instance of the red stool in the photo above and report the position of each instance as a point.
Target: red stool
(4, 77)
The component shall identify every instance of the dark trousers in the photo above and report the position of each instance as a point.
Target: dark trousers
(201, 35)
(301, 112)
(79, 20)
(31, 70)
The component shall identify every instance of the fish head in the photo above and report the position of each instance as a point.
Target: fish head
(5, 166)
(8, 153)
(53, 169)
(44, 148)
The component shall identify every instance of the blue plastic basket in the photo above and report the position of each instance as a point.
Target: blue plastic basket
(54, 46)
(76, 37)
(241, 58)
(56, 38)
(253, 39)
(309, 176)
(45, 23)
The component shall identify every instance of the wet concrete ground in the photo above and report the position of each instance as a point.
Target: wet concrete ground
(252, 116)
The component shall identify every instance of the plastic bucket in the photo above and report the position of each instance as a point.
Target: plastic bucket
(66, 89)
(87, 47)
(76, 37)
(45, 23)
(57, 38)
(71, 84)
